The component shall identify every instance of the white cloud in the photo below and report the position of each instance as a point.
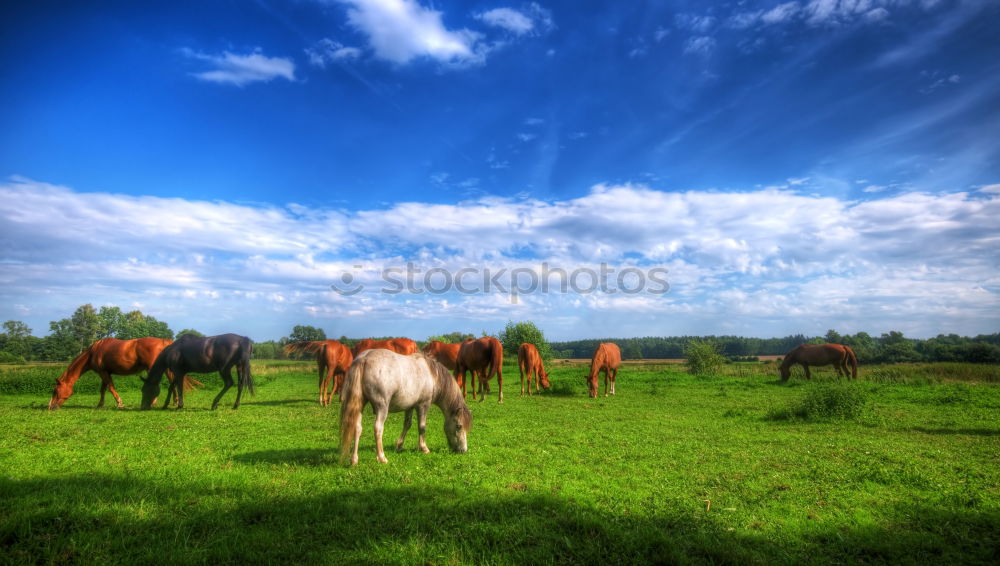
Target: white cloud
(920, 261)
(694, 22)
(780, 13)
(526, 137)
(701, 45)
(329, 51)
(239, 70)
(402, 30)
(508, 19)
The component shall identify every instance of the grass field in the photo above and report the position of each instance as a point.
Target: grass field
(899, 467)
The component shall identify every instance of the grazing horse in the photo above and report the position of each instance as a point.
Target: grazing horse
(607, 358)
(484, 358)
(332, 361)
(403, 346)
(391, 382)
(529, 362)
(201, 355)
(445, 354)
(820, 355)
(111, 356)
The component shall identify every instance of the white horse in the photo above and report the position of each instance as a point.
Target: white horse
(393, 382)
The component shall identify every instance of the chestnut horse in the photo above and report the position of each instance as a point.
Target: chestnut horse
(484, 358)
(820, 355)
(607, 358)
(403, 346)
(332, 361)
(201, 355)
(445, 354)
(529, 362)
(392, 382)
(110, 356)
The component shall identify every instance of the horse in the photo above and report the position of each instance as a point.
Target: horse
(391, 382)
(110, 356)
(820, 355)
(403, 346)
(483, 357)
(529, 362)
(332, 361)
(607, 357)
(201, 355)
(445, 354)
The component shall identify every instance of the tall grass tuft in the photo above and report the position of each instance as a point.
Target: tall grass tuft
(826, 400)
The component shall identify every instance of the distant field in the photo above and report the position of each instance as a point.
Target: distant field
(899, 467)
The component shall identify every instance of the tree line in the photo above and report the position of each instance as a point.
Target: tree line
(69, 336)
(890, 347)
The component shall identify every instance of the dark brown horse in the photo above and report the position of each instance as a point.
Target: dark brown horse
(332, 361)
(484, 358)
(529, 362)
(820, 355)
(607, 357)
(201, 355)
(111, 356)
(403, 346)
(445, 354)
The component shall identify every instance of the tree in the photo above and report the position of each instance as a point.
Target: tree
(302, 333)
(833, 337)
(451, 337)
(517, 333)
(703, 357)
(632, 351)
(16, 339)
(192, 332)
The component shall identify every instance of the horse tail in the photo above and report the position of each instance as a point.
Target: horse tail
(497, 362)
(352, 400)
(853, 359)
(321, 365)
(243, 369)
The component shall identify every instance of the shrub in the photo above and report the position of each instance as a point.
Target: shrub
(9, 358)
(703, 357)
(827, 401)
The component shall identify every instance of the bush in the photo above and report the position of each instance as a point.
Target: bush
(827, 401)
(8, 358)
(517, 333)
(703, 357)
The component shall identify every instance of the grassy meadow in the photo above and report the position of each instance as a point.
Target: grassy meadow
(898, 467)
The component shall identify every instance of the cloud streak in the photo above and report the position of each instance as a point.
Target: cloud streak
(766, 255)
(241, 70)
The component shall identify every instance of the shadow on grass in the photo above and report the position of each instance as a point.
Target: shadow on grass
(299, 456)
(68, 520)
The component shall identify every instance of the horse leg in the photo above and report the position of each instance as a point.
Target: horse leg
(177, 386)
(422, 427)
(357, 441)
(227, 382)
(606, 372)
(521, 370)
(806, 367)
(104, 387)
(614, 374)
(499, 385)
(239, 385)
(407, 421)
(380, 414)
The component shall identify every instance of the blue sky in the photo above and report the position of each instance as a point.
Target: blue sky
(796, 166)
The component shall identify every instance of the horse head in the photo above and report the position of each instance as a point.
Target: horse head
(544, 378)
(456, 429)
(150, 391)
(60, 393)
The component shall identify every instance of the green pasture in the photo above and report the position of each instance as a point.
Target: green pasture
(902, 466)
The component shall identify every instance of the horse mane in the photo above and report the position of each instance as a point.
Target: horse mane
(76, 367)
(309, 347)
